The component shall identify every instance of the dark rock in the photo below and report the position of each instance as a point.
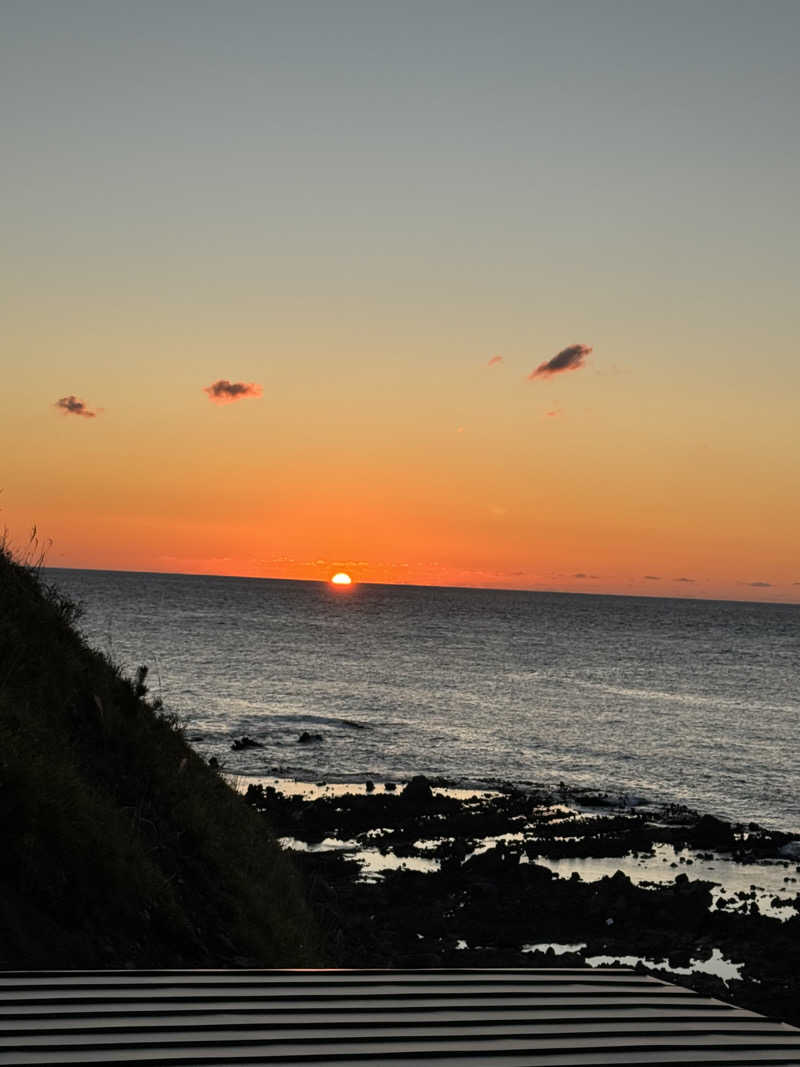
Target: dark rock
(418, 791)
(390, 787)
(245, 742)
(495, 903)
(596, 800)
(370, 786)
(306, 738)
(710, 832)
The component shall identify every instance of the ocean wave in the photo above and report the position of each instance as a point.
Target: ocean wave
(690, 699)
(304, 717)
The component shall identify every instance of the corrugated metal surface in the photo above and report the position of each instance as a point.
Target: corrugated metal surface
(505, 1018)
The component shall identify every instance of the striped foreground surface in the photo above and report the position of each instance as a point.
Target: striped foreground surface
(504, 1018)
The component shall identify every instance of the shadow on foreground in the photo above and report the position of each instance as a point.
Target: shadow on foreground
(120, 846)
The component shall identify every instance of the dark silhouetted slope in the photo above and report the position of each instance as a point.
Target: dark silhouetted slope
(120, 845)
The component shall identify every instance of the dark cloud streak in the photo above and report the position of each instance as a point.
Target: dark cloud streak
(571, 358)
(71, 405)
(225, 392)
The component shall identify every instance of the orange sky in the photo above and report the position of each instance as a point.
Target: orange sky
(484, 489)
(356, 216)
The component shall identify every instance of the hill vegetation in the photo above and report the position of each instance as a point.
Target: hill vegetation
(120, 845)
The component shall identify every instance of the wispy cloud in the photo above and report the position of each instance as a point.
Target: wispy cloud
(225, 392)
(554, 414)
(571, 358)
(652, 577)
(580, 574)
(494, 361)
(758, 585)
(71, 405)
(691, 580)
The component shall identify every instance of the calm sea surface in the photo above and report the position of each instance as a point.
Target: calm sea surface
(684, 700)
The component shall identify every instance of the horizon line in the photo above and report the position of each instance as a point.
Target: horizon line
(416, 585)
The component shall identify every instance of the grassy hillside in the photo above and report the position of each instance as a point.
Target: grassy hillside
(120, 846)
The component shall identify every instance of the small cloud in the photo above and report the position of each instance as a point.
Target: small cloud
(571, 358)
(225, 392)
(652, 577)
(580, 574)
(70, 405)
(690, 580)
(493, 362)
(758, 585)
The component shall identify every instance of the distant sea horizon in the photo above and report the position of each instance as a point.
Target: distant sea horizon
(685, 699)
(421, 585)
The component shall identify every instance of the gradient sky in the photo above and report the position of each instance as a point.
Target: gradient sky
(356, 207)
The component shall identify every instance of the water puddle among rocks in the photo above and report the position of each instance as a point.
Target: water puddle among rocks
(292, 787)
(772, 885)
(571, 840)
(555, 947)
(717, 965)
(373, 863)
(424, 875)
(768, 885)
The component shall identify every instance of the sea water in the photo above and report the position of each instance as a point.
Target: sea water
(687, 701)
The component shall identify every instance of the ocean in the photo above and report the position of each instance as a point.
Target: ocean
(686, 701)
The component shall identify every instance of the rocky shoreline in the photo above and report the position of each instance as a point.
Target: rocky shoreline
(425, 875)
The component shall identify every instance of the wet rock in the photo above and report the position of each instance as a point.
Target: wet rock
(244, 742)
(307, 738)
(710, 832)
(680, 957)
(418, 791)
(596, 800)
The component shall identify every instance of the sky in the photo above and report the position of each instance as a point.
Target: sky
(444, 293)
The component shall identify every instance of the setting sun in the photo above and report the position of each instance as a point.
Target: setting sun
(341, 579)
